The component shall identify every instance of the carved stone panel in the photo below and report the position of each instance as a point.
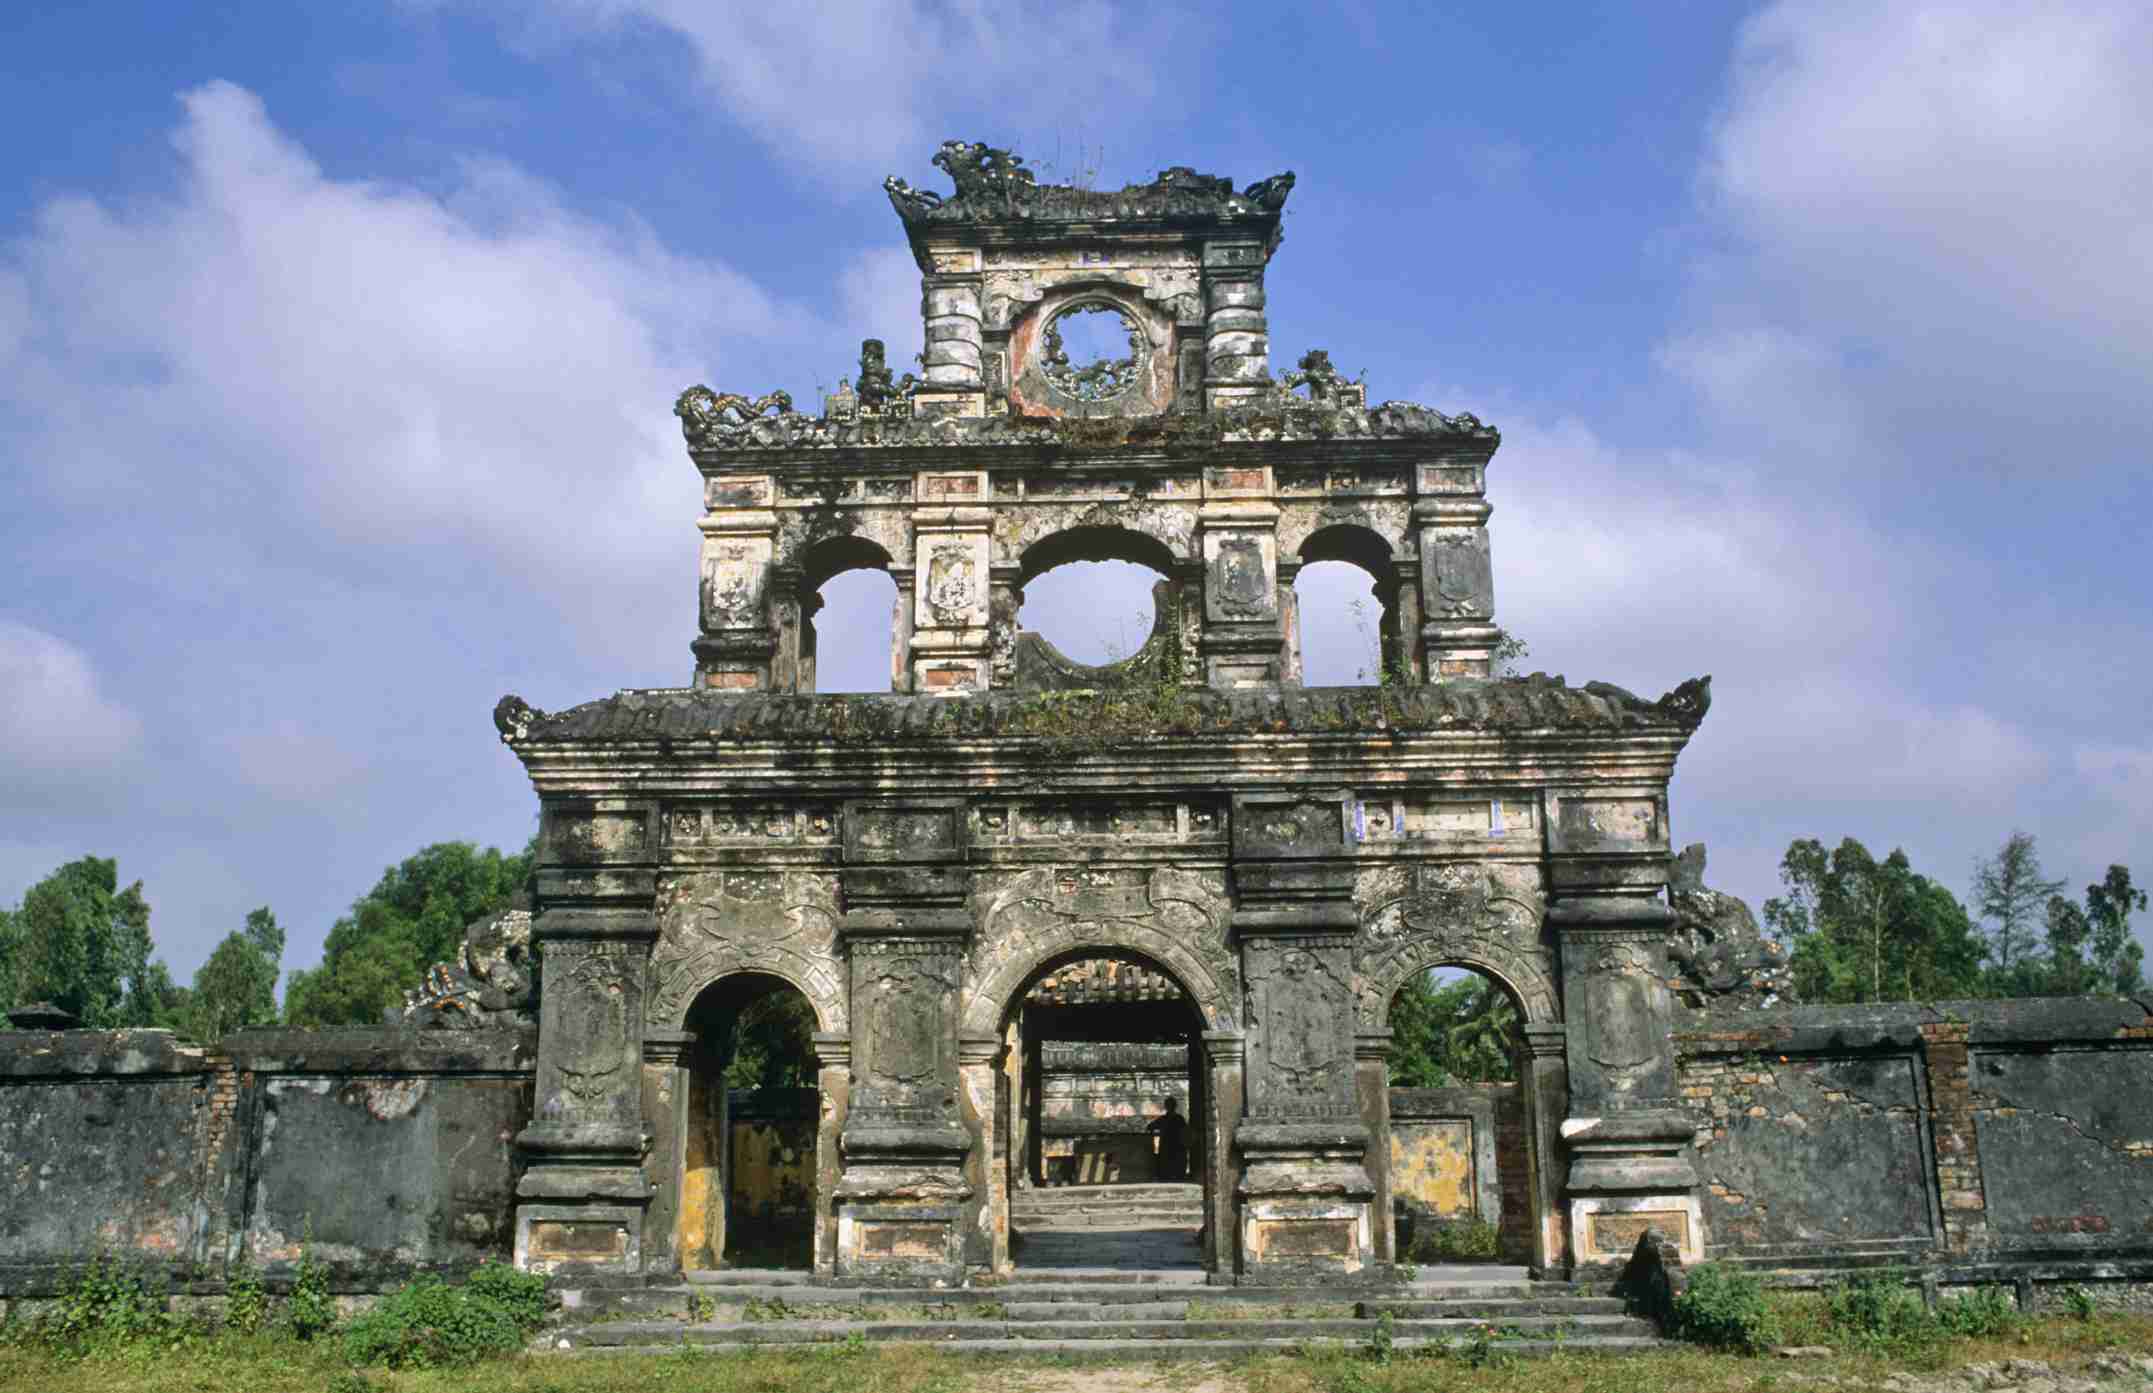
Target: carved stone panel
(1241, 576)
(1174, 918)
(592, 1021)
(952, 591)
(735, 580)
(904, 831)
(1464, 914)
(1456, 574)
(1299, 1016)
(712, 924)
(904, 1049)
(1619, 1051)
(1304, 826)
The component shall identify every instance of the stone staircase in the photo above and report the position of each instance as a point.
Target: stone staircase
(1090, 1208)
(1146, 1315)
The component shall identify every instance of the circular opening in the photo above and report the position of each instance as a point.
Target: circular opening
(1092, 611)
(1092, 352)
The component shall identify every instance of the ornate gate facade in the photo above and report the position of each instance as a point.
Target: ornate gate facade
(912, 861)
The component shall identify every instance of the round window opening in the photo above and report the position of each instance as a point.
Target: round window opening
(1092, 352)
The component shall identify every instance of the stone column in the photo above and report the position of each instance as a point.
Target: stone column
(1545, 1095)
(1964, 1201)
(1005, 599)
(950, 304)
(1371, 1075)
(901, 1196)
(901, 630)
(951, 640)
(1402, 621)
(581, 1201)
(1237, 336)
(738, 642)
(1457, 580)
(833, 1086)
(986, 1238)
(1306, 1194)
(1242, 636)
(665, 1109)
(1289, 622)
(1225, 1053)
(1627, 1133)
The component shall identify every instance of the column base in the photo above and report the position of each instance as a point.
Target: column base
(1307, 1205)
(1628, 1173)
(901, 1204)
(581, 1219)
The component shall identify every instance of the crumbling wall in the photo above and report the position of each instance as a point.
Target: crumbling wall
(383, 1151)
(1960, 1134)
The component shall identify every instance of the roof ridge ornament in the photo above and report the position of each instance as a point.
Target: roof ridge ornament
(994, 185)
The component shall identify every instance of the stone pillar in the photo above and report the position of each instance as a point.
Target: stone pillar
(986, 1238)
(792, 617)
(950, 304)
(581, 1201)
(1306, 1194)
(901, 630)
(1457, 581)
(1237, 336)
(1627, 1133)
(833, 1084)
(1402, 621)
(1289, 622)
(1225, 1052)
(1371, 1076)
(1242, 637)
(951, 639)
(739, 641)
(1005, 599)
(665, 1110)
(1545, 1095)
(901, 1196)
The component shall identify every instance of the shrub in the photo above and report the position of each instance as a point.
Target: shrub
(310, 1310)
(426, 1323)
(1984, 1312)
(1881, 1313)
(246, 1302)
(1725, 1308)
(108, 1303)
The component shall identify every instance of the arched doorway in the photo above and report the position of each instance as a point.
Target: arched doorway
(1459, 1163)
(1101, 1097)
(748, 1159)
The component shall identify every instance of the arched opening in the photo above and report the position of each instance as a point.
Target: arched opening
(1092, 596)
(1102, 1095)
(1460, 1125)
(848, 618)
(748, 1164)
(1345, 609)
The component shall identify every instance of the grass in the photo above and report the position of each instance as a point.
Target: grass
(274, 1363)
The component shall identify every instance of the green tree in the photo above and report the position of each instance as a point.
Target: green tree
(1860, 929)
(82, 943)
(1462, 1031)
(2011, 897)
(2090, 948)
(412, 918)
(773, 1043)
(237, 986)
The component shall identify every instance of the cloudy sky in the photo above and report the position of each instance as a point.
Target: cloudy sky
(338, 346)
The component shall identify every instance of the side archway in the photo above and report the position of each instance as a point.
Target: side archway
(1464, 921)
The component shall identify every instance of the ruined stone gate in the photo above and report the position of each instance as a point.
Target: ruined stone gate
(913, 863)
(1271, 862)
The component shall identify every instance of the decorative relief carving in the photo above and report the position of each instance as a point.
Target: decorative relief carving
(712, 924)
(1625, 1036)
(1629, 821)
(1305, 827)
(1464, 914)
(588, 1006)
(1059, 821)
(1463, 582)
(748, 824)
(580, 836)
(1175, 918)
(732, 587)
(906, 990)
(1299, 1013)
(952, 592)
(1387, 818)
(1241, 580)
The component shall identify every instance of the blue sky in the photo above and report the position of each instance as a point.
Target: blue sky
(338, 346)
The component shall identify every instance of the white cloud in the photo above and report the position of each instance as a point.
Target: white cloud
(1946, 208)
(58, 727)
(851, 89)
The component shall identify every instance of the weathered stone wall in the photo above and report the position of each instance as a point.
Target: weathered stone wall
(1097, 1101)
(1960, 1134)
(384, 1151)
(1460, 1153)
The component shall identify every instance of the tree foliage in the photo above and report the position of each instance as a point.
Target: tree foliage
(83, 944)
(2090, 948)
(412, 918)
(1860, 929)
(2011, 896)
(1462, 1031)
(237, 986)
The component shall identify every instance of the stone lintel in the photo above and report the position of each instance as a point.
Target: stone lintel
(627, 925)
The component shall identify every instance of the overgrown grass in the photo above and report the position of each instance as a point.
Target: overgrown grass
(1467, 1240)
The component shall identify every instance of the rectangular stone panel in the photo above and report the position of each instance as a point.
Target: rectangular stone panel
(1616, 1235)
(2066, 1139)
(556, 1240)
(902, 831)
(889, 1241)
(1586, 823)
(1303, 1238)
(1812, 1149)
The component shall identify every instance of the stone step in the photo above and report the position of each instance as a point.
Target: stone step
(1094, 1206)
(1151, 1352)
(1498, 1310)
(1576, 1331)
(1051, 1194)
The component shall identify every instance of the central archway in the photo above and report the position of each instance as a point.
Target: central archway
(1103, 1160)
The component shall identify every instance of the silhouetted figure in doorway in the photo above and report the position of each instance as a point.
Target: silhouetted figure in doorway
(1172, 1130)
